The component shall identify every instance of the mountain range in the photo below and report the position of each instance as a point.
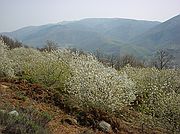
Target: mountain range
(166, 34)
(109, 35)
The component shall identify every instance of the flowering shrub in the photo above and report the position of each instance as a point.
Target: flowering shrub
(97, 86)
(160, 98)
(91, 83)
(42, 67)
(6, 65)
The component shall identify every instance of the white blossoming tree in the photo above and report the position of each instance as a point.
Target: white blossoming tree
(97, 86)
(6, 64)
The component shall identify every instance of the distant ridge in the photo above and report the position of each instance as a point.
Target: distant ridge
(164, 35)
(109, 35)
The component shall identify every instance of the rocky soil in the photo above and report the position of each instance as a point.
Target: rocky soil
(66, 116)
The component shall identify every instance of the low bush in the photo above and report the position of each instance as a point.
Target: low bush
(97, 86)
(27, 122)
(157, 96)
(6, 64)
(40, 67)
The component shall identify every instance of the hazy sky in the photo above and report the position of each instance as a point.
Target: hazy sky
(19, 13)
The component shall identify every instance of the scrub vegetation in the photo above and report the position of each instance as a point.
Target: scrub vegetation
(151, 92)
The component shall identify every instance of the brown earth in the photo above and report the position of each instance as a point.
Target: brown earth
(15, 94)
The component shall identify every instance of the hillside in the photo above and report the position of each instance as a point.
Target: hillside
(164, 35)
(48, 107)
(109, 35)
(60, 91)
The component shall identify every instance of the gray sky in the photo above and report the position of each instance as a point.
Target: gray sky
(19, 13)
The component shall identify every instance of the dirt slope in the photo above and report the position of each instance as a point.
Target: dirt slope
(19, 94)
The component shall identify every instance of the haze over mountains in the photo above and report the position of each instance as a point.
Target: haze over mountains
(110, 35)
(166, 34)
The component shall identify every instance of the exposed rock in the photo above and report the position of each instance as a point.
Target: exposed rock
(4, 86)
(14, 113)
(104, 126)
(69, 121)
(2, 111)
(3, 89)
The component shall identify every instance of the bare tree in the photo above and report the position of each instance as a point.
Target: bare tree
(10, 42)
(50, 46)
(118, 63)
(131, 60)
(163, 59)
(98, 54)
(112, 59)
